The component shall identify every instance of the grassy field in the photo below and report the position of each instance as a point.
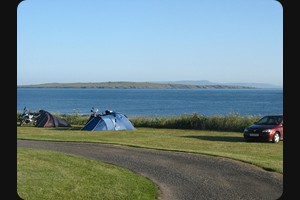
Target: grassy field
(57, 175)
(52, 175)
(216, 143)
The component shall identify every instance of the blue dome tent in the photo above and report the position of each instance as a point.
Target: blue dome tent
(109, 121)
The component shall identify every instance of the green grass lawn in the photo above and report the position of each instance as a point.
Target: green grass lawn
(51, 175)
(216, 143)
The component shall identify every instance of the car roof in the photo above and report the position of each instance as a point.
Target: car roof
(276, 115)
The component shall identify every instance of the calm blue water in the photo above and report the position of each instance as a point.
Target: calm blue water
(153, 102)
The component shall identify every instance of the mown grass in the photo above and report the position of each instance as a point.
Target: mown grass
(217, 143)
(214, 135)
(51, 175)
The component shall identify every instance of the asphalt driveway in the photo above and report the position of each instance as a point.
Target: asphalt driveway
(180, 176)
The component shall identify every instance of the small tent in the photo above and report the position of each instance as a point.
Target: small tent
(46, 119)
(110, 121)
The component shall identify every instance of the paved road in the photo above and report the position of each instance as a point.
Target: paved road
(180, 176)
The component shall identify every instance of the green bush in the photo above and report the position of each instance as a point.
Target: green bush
(231, 122)
(74, 119)
(18, 116)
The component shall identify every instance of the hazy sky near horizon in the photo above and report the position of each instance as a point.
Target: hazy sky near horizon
(150, 40)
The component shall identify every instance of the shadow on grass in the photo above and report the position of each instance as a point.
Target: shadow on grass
(69, 128)
(217, 138)
(225, 139)
(72, 128)
(76, 127)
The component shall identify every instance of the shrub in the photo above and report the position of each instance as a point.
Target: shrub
(231, 122)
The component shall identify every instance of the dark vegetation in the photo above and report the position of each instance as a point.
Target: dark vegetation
(231, 122)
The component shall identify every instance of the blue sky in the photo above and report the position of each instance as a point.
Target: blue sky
(149, 40)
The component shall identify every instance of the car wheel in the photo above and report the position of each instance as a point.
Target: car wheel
(276, 138)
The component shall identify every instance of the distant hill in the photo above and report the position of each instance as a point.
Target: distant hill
(134, 85)
(257, 85)
(206, 82)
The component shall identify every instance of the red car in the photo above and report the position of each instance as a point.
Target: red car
(268, 128)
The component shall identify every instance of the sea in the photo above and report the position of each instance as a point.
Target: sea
(152, 102)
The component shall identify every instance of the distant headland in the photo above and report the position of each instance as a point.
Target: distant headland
(133, 85)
